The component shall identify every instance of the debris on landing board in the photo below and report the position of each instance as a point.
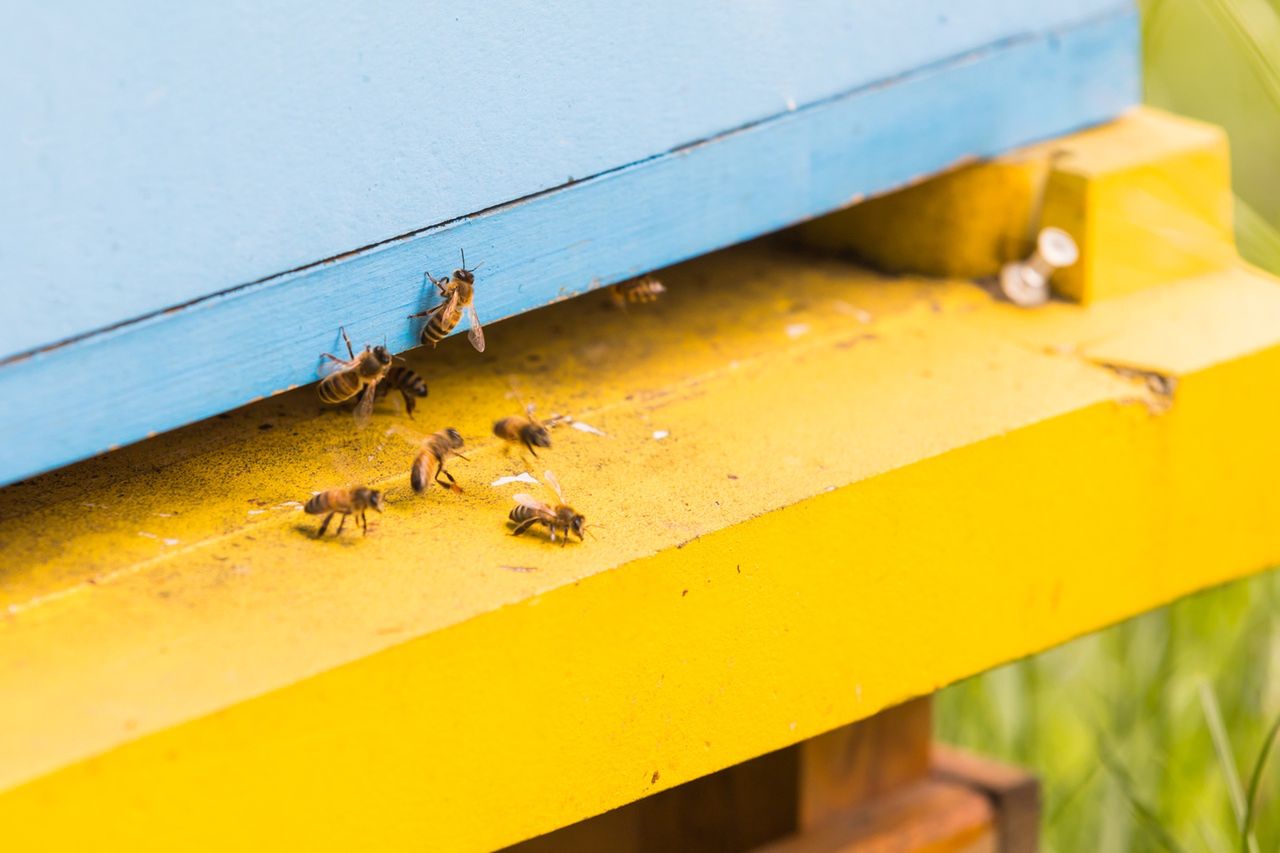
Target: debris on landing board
(584, 427)
(147, 535)
(862, 316)
(522, 477)
(659, 434)
(796, 330)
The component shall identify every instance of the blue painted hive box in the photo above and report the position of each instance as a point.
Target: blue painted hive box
(197, 197)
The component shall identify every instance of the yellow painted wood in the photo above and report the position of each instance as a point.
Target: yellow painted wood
(1147, 197)
(961, 224)
(814, 483)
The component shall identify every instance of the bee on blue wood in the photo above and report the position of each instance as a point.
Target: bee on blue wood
(636, 291)
(458, 292)
(357, 375)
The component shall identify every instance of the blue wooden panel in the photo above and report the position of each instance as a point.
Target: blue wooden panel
(156, 152)
(187, 364)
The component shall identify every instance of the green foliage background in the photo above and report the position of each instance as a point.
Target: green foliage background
(1121, 725)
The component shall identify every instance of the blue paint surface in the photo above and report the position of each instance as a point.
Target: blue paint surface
(155, 152)
(181, 366)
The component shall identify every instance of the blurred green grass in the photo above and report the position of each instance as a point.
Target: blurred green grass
(1133, 693)
(1120, 724)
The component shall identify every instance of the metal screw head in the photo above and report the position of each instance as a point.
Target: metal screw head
(1023, 285)
(1057, 248)
(1026, 283)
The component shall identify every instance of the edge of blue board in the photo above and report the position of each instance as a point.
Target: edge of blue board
(121, 385)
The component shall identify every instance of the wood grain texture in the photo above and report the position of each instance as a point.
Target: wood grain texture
(179, 366)
(852, 765)
(156, 153)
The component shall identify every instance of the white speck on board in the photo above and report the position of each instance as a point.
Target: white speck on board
(256, 511)
(147, 535)
(659, 434)
(581, 427)
(522, 477)
(171, 541)
(795, 330)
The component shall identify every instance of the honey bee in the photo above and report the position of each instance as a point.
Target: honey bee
(346, 501)
(350, 377)
(643, 289)
(428, 465)
(530, 511)
(407, 382)
(527, 430)
(457, 291)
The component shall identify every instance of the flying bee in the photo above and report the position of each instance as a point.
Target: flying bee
(351, 377)
(643, 289)
(407, 382)
(346, 501)
(563, 518)
(458, 292)
(527, 430)
(428, 465)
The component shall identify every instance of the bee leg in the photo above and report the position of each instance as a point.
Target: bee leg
(324, 525)
(438, 282)
(408, 403)
(364, 524)
(452, 485)
(343, 329)
(531, 450)
(523, 526)
(338, 532)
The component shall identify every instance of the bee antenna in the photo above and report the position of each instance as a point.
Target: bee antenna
(464, 258)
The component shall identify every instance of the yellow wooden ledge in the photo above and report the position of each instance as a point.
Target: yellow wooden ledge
(824, 492)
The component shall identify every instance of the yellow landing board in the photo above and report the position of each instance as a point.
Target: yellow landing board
(822, 491)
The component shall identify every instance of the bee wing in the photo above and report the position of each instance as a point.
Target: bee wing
(450, 304)
(332, 365)
(364, 409)
(531, 502)
(475, 334)
(555, 485)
